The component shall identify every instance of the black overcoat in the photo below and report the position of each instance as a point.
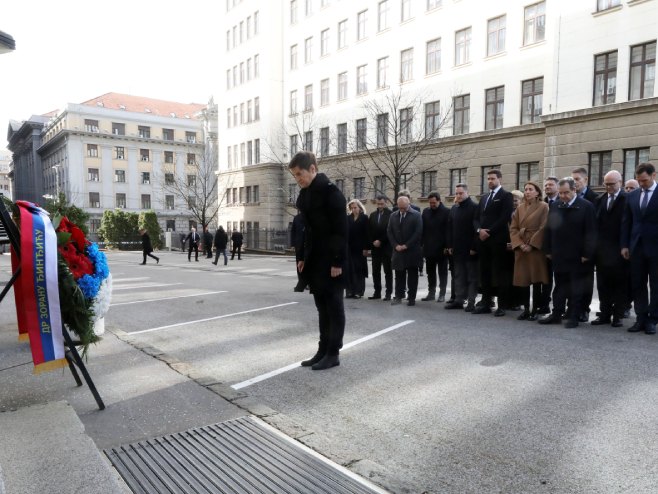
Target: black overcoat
(408, 232)
(462, 238)
(377, 230)
(221, 240)
(608, 226)
(435, 230)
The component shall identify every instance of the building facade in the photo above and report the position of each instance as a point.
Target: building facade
(534, 88)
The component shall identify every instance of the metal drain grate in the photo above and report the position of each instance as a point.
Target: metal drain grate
(239, 456)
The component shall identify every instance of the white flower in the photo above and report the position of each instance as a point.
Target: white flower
(102, 301)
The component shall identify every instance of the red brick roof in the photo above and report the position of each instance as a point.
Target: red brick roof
(140, 104)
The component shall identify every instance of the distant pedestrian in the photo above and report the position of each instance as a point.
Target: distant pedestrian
(357, 249)
(207, 243)
(194, 239)
(221, 241)
(236, 240)
(147, 247)
(183, 237)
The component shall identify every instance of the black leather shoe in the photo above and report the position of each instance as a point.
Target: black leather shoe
(375, 296)
(650, 328)
(544, 310)
(454, 305)
(296, 289)
(157, 260)
(411, 302)
(481, 310)
(533, 316)
(469, 308)
(387, 298)
(396, 301)
(142, 263)
(616, 323)
(627, 313)
(499, 312)
(314, 359)
(216, 265)
(429, 297)
(571, 323)
(600, 321)
(636, 328)
(327, 362)
(552, 318)
(584, 316)
(442, 298)
(523, 315)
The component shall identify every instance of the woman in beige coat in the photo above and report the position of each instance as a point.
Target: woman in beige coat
(527, 237)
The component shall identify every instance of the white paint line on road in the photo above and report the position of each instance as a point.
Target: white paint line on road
(211, 318)
(131, 287)
(287, 368)
(166, 298)
(123, 280)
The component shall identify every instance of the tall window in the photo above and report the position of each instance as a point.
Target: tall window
(606, 4)
(169, 156)
(191, 159)
(144, 132)
(94, 200)
(256, 151)
(308, 140)
(293, 57)
(382, 130)
(433, 56)
(308, 50)
(605, 78)
(91, 126)
(532, 93)
(340, 185)
(324, 42)
(169, 179)
(169, 202)
(324, 141)
(92, 150)
(168, 134)
(308, 7)
(643, 71)
(428, 183)
(406, 125)
(527, 172)
(121, 200)
(342, 138)
(379, 183)
(293, 145)
(433, 4)
(146, 178)
(600, 163)
(308, 97)
(250, 153)
(534, 27)
(461, 114)
(228, 157)
(293, 102)
(361, 80)
(632, 158)
(342, 34)
(120, 176)
(496, 35)
(257, 108)
(463, 46)
(146, 201)
(93, 175)
(359, 187)
(256, 65)
(382, 70)
(324, 92)
(457, 176)
(361, 133)
(495, 106)
(361, 19)
(405, 13)
(342, 86)
(118, 129)
(406, 65)
(382, 15)
(432, 120)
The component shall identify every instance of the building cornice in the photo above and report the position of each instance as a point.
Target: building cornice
(599, 112)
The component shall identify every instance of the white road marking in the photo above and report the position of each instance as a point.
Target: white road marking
(130, 287)
(123, 280)
(287, 368)
(211, 318)
(166, 298)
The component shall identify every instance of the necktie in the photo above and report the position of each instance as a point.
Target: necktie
(402, 218)
(550, 202)
(486, 204)
(645, 200)
(611, 200)
(379, 217)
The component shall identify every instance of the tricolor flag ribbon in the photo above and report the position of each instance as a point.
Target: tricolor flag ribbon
(40, 289)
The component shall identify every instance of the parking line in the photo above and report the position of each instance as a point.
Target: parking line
(166, 298)
(211, 318)
(131, 287)
(276, 372)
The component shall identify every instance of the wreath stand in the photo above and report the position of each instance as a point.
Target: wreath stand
(72, 355)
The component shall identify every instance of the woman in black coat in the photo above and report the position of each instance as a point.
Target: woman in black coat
(220, 242)
(357, 249)
(147, 248)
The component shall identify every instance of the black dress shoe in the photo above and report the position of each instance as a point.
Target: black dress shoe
(571, 323)
(600, 321)
(616, 323)
(583, 317)
(314, 359)
(441, 298)
(411, 302)
(386, 298)
(636, 328)
(650, 328)
(627, 313)
(327, 362)
(523, 315)
(396, 301)
(533, 316)
(469, 308)
(296, 289)
(552, 318)
(454, 305)
(544, 310)
(375, 296)
(481, 310)
(430, 296)
(499, 312)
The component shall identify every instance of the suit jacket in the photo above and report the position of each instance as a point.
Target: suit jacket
(408, 232)
(608, 226)
(495, 216)
(377, 230)
(236, 238)
(194, 238)
(461, 229)
(640, 229)
(590, 195)
(435, 230)
(570, 235)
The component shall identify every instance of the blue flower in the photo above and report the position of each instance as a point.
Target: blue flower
(89, 286)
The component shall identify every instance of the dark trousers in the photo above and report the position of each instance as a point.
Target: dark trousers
(218, 252)
(546, 289)
(494, 273)
(238, 249)
(465, 276)
(208, 250)
(612, 284)
(379, 260)
(588, 288)
(150, 255)
(406, 278)
(570, 286)
(432, 266)
(331, 314)
(193, 247)
(645, 300)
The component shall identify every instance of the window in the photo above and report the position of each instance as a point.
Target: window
(532, 93)
(324, 42)
(92, 150)
(382, 71)
(432, 120)
(228, 157)
(404, 180)
(256, 151)
(144, 132)
(257, 108)
(228, 118)
(120, 176)
(406, 65)
(382, 130)
(496, 35)
(308, 97)
(243, 154)
(235, 116)
(342, 34)
(308, 50)
(534, 28)
(461, 111)
(248, 26)
(146, 201)
(256, 192)
(293, 11)
(382, 15)
(169, 179)
(427, 183)
(191, 159)
(256, 66)
(433, 56)
(249, 112)
(168, 134)
(463, 46)
(643, 71)
(484, 170)
(308, 7)
(342, 86)
(293, 193)
(495, 105)
(359, 187)
(256, 22)
(342, 138)
(600, 163)
(361, 80)
(405, 13)
(433, 4)
(191, 180)
(324, 92)
(606, 4)
(171, 225)
(249, 71)
(308, 140)
(605, 78)
(94, 225)
(169, 202)
(118, 129)
(144, 155)
(293, 145)
(361, 134)
(293, 102)
(91, 125)
(169, 156)
(94, 200)
(93, 175)
(190, 137)
(361, 18)
(146, 178)
(324, 141)
(121, 200)
(242, 119)
(248, 199)
(250, 153)
(340, 185)
(457, 176)
(235, 196)
(191, 201)
(293, 57)
(406, 124)
(632, 158)
(527, 172)
(379, 183)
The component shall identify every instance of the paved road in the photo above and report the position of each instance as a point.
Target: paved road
(436, 401)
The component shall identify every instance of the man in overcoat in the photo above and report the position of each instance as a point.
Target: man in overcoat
(435, 222)
(380, 249)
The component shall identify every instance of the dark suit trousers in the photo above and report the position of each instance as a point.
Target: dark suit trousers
(238, 249)
(379, 260)
(612, 284)
(494, 272)
(645, 303)
(570, 286)
(432, 265)
(331, 313)
(192, 247)
(465, 276)
(402, 278)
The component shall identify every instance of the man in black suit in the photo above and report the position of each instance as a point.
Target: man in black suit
(611, 267)
(551, 197)
(323, 258)
(193, 244)
(639, 240)
(405, 230)
(380, 249)
(495, 211)
(570, 241)
(435, 222)
(462, 244)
